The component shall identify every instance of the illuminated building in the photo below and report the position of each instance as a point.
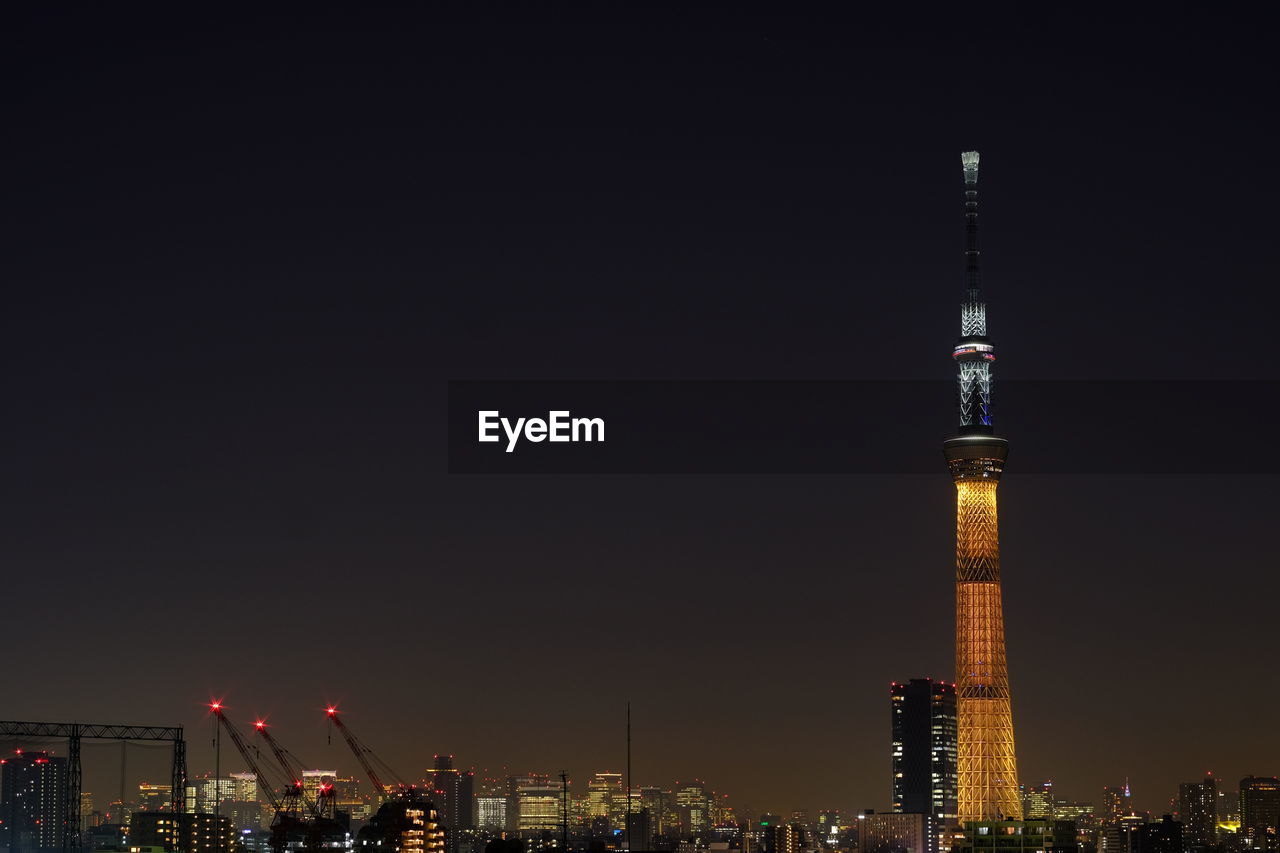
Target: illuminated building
(190, 833)
(1122, 835)
(1198, 810)
(491, 813)
(829, 827)
(243, 814)
(1260, 812)
(246, 787)
(1071, 810)
(402, 824)
(313, 779)
(1037, 801)
(897, 833)
(86, 810)
(784, 838)
(987, 777)
(924, 748)
(1018, 836)
(534, 805)
(155, 798)
(211, 791)
(694, 807)
(33, 806)
(657, 803)
(606, 799)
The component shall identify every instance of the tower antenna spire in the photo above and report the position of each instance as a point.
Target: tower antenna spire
(972, 275)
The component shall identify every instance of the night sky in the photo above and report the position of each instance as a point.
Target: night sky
(245, 253)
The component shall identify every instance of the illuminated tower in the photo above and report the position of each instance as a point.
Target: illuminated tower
(987, 786)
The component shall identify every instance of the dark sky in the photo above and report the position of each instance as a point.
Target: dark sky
(244, 253)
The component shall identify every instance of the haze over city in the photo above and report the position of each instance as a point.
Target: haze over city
(247, 253)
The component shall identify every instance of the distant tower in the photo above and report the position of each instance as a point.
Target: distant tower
(988, 769)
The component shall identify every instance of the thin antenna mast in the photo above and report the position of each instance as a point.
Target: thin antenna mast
(629, 774)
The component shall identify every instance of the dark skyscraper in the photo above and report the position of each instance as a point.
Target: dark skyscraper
(1198, 806)
(1162, 837)
(453, 800)
(924, 748)
(1260, 812)
(33, 807)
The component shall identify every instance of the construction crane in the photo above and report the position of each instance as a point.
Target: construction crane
(405, 819)
(324, 826)
(363, 755)
(284, 823)
(295, 796)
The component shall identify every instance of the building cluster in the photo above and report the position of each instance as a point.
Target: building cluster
(1202, 817)
(456, 811)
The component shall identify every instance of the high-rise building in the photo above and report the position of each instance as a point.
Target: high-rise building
(1037, 801)
(1198, 809)
(659, 805)
(33, 806)
(606, 798)
(211, 791)
(312, 780)
(534, 804)
(897, 833)
(453, 800)
(246, 787)
(694, 807)
(491, 813)
(1260, 812)
(924, 748)
(987, 788)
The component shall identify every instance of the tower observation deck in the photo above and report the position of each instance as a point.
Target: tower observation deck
(987, 768)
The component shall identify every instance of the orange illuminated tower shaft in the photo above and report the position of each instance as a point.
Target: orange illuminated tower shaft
(987, 769)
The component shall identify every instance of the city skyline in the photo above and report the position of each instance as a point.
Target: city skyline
(247, 255)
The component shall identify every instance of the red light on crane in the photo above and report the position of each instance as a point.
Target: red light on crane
(331, 710)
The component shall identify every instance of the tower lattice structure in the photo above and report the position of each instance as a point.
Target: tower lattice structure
(987, 767)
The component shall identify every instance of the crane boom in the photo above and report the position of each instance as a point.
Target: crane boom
(282, 758)
(360, 751)
(246, 754)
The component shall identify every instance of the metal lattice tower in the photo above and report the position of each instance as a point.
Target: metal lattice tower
(987, 766)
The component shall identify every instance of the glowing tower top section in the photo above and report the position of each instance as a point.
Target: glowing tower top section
(974, 352)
